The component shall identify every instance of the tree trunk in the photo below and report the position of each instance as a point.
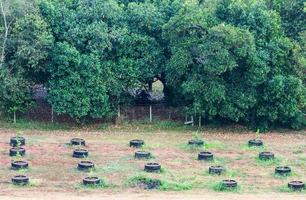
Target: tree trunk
(6, 29)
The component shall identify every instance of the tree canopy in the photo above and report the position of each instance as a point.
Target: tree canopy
(236, 60)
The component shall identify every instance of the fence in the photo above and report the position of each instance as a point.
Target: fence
(44, 112)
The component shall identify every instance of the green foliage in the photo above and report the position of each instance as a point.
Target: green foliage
(232, 60)
(15, 92)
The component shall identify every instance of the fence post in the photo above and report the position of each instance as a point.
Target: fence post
(52, 115)
(192, 121)
(150, 113)
(14, 117)
(119, 111)
(200, 123)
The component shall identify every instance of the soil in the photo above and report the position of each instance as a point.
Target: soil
(53, 173)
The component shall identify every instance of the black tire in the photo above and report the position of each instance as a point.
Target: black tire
(216, 170)
(16, 165)
(255, 143)
(152, 167)
(196, 142)
(142, 155)
(229, 183)
(77, 141)
(91, 181)
(80, 153)
(205, 155)
(86, 165)
(296, 185)
(266, 156)
(17, 141)
(283, 170)
(20, 180)
(136, 143)
(14, 151)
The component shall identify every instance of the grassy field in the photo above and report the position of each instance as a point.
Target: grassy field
(53, 169)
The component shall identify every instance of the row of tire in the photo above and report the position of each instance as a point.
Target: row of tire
(17, 150)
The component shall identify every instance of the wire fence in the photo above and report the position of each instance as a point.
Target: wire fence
(44, 112)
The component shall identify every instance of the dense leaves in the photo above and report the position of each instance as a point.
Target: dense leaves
(235, 60)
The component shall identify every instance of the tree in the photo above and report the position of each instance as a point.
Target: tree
(225, 55)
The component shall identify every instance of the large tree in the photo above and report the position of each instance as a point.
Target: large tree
(226, 55)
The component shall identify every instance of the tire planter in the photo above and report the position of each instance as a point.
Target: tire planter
(80, 153)
(296, 185)
(142, 155)
(16, 165)
(152, 167)
(205, 155)
(196, 142)
(229, 184)
(255, 143)
(20, 180)
(136, 143)
(266, 156)
(14, 151)
(77, 141)
(85, 165)
(17, 141)
(283, 170)
(91, 181)
(216, 170)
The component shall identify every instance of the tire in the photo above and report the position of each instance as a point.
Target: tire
(136, 143)
(91, 181)
(152, 167)
(216, 170)
(283, 170)
(20, 180)
(196, 142)
(229, 183)
(296, 185)
(266, 156)
(14, 151)
(205, 155)
(16, 165)
(142, 155)
(85, 165)
(80, 153)
(17, 141)
(255, 143)
(77, 141)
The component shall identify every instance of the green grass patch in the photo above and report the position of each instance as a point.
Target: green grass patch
(221, 188)
(268, 162)
(34, 125)
(286, 189)
(246, 147)
(141, 180)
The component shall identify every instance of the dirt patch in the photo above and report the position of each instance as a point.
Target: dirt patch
(54, 170)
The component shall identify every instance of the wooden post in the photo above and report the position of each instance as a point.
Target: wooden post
(150, 113)
(192, 121)
(14, 117)
(52, 115)
(119, 114)
(200, 123)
